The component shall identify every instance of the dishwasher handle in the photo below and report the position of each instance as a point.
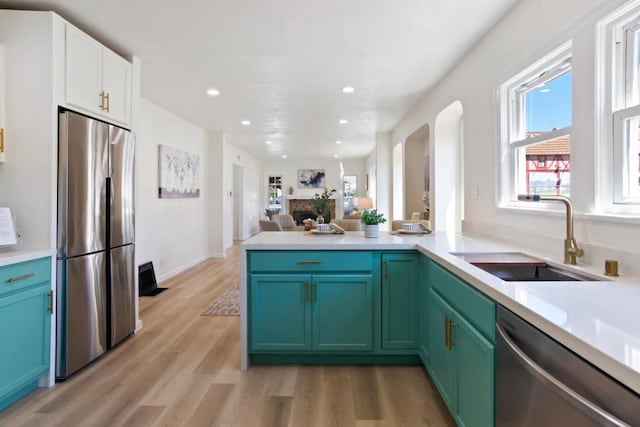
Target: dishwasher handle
(566, 393)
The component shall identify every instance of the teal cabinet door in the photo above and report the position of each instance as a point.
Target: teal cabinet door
(442, 365)
(25, 321)
(342, 312)
(400, 301)
(280, 311)
(475, 365)
(423, 329)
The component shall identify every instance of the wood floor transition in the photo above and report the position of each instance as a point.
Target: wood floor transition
(182, 369)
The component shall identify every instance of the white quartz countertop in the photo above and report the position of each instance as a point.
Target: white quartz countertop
(15, 254)
(598, 320)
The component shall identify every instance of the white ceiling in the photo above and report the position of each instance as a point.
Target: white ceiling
(282, 64)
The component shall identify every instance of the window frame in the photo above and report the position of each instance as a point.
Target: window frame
(614, 107)
(513, 121)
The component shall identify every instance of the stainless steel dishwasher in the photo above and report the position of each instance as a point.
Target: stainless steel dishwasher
(539, 382)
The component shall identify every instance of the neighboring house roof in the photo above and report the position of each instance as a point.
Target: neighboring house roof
(559, 146)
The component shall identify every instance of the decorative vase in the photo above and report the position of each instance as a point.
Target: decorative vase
(290, 190)
(320, 219)
(371, 230)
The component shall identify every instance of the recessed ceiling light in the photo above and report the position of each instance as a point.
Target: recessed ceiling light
(343, 121)
(213, 92)
(284, 156)
(335, 156)
(268, 142)
(348, 89)
(338, 142)
(245, 123)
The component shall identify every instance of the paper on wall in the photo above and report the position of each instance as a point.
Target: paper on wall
(8, 231)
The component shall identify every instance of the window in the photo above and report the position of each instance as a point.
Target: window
(349, 191)
(536, 118)
(274, 193)
(626, 110)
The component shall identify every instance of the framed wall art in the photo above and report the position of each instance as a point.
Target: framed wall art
(311, 178)
(178, 173)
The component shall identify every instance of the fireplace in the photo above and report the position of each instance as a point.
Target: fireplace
(300, 209)
(299, 216)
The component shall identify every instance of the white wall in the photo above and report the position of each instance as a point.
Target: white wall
(526, 33)
(384, 189)
(28, 179)
(169, 232)
(415, 149)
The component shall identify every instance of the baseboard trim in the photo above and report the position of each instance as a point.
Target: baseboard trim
(218, 255)
(180, 269)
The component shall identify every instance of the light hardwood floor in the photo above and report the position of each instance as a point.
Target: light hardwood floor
(182, 369)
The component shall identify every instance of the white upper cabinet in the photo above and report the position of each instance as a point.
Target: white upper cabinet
(98, 81)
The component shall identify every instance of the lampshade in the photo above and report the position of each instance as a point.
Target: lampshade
(364, 203)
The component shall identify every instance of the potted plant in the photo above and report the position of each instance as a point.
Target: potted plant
(371, 218)
(321, 205)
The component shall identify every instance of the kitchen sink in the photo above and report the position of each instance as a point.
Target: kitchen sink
(519, 267)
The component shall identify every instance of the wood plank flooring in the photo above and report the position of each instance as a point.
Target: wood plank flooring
(182, 369)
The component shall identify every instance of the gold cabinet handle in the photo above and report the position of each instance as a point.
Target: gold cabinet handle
(101, 106)
(107, 99)
(385, 269)
(309, 261)
(50, 309)
(452, 324)
(315, 291)
(18, 278)
(1, 140)
(446, 331)
(306, 290)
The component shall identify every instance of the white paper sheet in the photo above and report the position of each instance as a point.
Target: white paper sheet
(8, 232)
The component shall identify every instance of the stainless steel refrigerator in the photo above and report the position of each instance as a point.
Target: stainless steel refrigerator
(95, 283)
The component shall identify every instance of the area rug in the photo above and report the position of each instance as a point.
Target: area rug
(227, 304)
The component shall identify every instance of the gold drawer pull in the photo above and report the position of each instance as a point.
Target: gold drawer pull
(310, 261)
(18, 278)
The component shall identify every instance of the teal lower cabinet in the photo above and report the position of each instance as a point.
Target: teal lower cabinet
(25, 327)
(280, 311)
(311, 312)
(342, 313)
(400, 301)
(461, 364)
(423, 291)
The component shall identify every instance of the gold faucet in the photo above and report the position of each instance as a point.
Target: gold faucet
(571, 249)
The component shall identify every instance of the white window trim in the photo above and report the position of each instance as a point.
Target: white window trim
(546, 68)
(611, 110)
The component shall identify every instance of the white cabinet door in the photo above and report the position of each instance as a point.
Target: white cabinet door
(98, 82)
(83, 71)
(116, 82)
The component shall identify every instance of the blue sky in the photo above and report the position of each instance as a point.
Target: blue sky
(549, 106)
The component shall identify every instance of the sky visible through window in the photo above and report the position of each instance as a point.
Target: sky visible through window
(548, 107)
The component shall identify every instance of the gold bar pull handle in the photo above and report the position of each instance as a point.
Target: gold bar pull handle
(452, 324)
(306, 290)
(106, 97)
(18, 278)
(446, 331)
(101, 106)
(309, 261)
(315, 291)
(1, 140)
(50, 309)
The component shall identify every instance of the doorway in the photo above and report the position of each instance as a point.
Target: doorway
(238, 226)
(448, 150)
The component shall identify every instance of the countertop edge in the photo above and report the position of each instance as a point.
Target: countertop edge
(10, 256)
